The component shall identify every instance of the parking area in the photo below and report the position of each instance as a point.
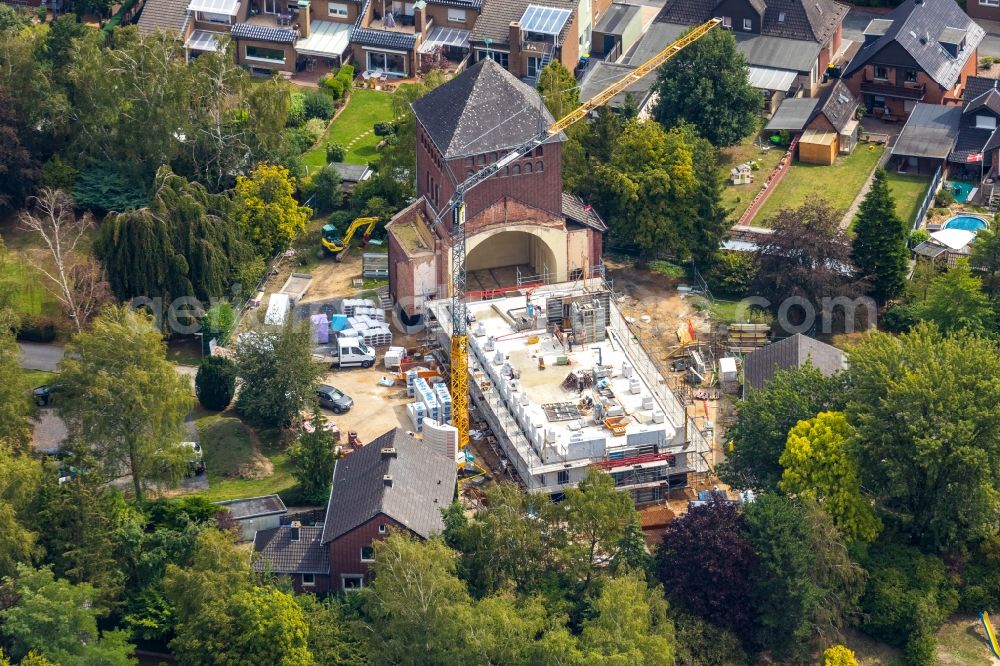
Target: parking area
(376, 409)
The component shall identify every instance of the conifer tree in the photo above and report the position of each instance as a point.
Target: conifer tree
(880, 241)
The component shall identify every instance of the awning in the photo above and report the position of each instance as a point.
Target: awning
(441, 36)
(326, 39)
(226, 7)
(544, 20)
(202, 40)
(767, 78)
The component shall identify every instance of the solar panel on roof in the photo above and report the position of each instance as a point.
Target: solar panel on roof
(544, 20)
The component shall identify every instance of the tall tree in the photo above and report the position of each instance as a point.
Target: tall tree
(20, 476)
(277, 372)
(650, 189)
(182, 244)
(398, 161)
(335, 637)
(15, 403)
(879, 249)
(820, 466)
(558, 88)
(956, 302)
(55, 619)
(629, 625)
(986, 260)
(18, 167)
(807, 257)
(597, 519)
(124, 401)
(706, 564)
(312, 460)
(266, 210)
(706, 85)
(926, 409)
(755, 444)
(416, 603)
(56, 224)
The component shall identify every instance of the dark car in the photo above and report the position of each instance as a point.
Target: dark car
(43, 394)
(334, 400)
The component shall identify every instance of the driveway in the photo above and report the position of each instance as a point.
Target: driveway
(39, 356)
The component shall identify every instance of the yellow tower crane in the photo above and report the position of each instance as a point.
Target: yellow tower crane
(456, 207)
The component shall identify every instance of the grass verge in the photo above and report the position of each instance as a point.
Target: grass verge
(837, 184)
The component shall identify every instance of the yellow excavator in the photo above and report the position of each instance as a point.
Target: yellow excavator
(337, 245)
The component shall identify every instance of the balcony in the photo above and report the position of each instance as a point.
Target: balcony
(883, 87)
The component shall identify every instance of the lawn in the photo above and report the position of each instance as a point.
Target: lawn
(237, 462)
(908, 192)
(738, 197)
(364, 109)
(29, 297)
(38, 377)
(837, 184)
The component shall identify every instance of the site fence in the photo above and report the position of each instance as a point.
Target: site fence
(928, 199)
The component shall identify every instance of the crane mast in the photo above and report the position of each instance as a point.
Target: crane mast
(459, 384)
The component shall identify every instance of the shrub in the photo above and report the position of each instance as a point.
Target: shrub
(944, 198)
(218, 322)
(335, 152)
(37, 328)
(346, 74)
(899, 318)
(298, 139)
(332, 86)
(384, 128)
(731, 272)
(666, 269)
(987, 61)
(215, 382)
(325, 191)
(918, 236)
(296, 110)
(315, 128)
(318, 105)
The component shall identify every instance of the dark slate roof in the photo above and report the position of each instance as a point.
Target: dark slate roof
(494, 21)
(802, 20)
(792, 352)
(917, 29)
(988, 100)
(617, 19)
(383, 38)
(264, 33)
(254, 507)
(471, 4)
(280, 555)
(930, 131)
(970, 141)
(977, 85)
(602, 74)
(838, 105)
(483, 109)
(350, 173)
(574, 209)
(168, 15)
(793, 114)
(423, 483)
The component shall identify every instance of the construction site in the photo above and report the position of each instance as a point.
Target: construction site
(561, 384)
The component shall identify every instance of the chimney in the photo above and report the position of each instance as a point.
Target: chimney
(514, 37)
(388, 452)
(305, 17)
(387, 479)
(419, 17)
(294, 527)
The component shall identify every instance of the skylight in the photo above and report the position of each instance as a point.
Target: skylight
(544, 20)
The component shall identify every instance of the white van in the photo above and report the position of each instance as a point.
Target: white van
(352, 352)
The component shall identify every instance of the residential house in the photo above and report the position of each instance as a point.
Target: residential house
(792, 352)
(269, 35)
(395, 483)
(520, 227)
(923, 51)
(988, 10)
(974, 155)
(296, 552)
(255, 513)
(396, 38)
(524, 36)
(617, 33)
(787, 43)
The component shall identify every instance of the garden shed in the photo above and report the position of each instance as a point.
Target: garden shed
(818, 147)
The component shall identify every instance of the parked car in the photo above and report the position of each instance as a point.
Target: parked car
(196, 464)
(43, 394)
(333, 399)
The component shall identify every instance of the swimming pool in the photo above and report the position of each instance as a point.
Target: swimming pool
(961, 189)
(967, 223)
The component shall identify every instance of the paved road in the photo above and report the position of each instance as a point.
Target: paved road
(37, 356)
(857, 20)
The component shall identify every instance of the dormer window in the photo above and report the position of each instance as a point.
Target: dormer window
(952, 40)
(986, 121)
(747, 24)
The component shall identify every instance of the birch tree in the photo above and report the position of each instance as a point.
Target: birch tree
(54, 221)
